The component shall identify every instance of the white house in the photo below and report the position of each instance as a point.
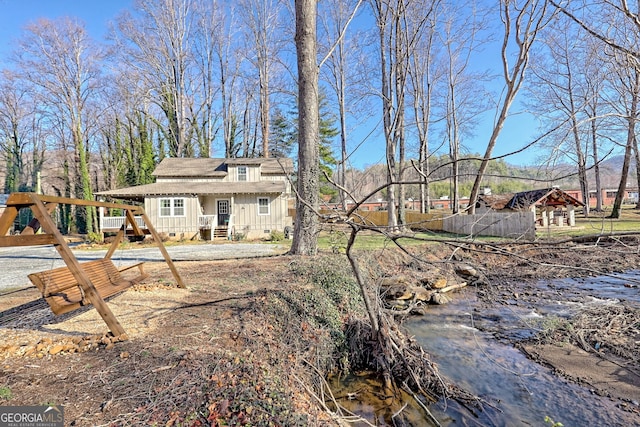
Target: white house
(239, 197)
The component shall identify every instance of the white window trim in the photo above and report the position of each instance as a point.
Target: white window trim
(172, 207)
(268, 199)
(246, 173)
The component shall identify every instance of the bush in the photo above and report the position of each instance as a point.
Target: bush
(276, 236)
(94, 237)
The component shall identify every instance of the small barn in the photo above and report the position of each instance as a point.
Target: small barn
(551, 206)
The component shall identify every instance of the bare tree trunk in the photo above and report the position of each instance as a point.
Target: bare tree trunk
(596, 166)
(580, 158)
(637, 158)
(397, 40)
(420, 76)
(261, 17)
(306, 226)
(631, 141)
(624, 174)
(529, 20)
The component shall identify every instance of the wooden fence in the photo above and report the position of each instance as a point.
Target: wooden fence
(514, 225)
(415, 220)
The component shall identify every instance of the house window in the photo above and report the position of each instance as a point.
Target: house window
(263, 206)
(172, 207)
(242, 173)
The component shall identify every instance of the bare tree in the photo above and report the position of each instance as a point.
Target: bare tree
(127, 145)
(261, 18)
(157, 42)
(400, 25)
(523, 21)
(216, 50)
(565, 93)
(60, 59)
(627, 84)
(18, 134)
(340, 70)
(459, 36)
(423, 76)
(610, 21)
(210, 25)
(305, 238)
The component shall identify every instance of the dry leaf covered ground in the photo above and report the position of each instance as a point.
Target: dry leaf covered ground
(212, 352)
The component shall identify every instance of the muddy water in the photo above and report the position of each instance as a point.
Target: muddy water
(469, 347)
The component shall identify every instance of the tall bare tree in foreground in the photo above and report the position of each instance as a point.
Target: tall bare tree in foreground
(523, 20)
(305, 234)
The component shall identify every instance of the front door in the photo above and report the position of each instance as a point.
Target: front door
(223, 212)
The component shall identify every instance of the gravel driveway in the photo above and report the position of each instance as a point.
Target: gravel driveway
(18, 262)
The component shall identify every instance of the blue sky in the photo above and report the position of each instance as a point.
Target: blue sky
(15, 14)
(96, 14)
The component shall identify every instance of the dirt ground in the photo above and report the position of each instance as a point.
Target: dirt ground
(214, 353)
(188, 350)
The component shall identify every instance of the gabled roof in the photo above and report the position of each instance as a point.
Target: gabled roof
(526, 199)
(497, 201)
(174, 167)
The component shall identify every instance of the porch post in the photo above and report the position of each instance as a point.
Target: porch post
(572, 215)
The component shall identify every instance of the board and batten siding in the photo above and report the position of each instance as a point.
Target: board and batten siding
(253, 173)
(174, 226)
(247, 221)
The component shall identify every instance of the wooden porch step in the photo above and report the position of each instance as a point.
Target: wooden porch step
(220, 233)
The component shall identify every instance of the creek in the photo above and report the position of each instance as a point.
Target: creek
(473, 349)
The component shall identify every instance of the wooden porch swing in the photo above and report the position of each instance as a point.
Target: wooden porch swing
(67, 288)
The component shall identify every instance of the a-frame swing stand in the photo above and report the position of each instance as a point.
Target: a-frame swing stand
(77, 284)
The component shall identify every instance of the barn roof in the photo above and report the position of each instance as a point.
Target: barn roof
(526, 199)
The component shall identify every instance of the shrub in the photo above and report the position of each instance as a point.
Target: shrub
(94, 238)
(276, 236)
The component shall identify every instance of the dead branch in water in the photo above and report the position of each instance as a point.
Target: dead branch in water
(399, 359)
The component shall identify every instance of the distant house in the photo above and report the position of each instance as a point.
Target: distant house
(211, 197)
(551, 205)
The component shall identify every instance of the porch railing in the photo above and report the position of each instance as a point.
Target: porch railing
(207, 222)
(115, 222)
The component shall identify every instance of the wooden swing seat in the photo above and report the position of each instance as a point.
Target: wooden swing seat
(63, 293)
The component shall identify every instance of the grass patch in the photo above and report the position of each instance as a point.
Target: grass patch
(5, 393)
(598, 223)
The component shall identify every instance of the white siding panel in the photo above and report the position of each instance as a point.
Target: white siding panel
(185, 226)
(248, 222)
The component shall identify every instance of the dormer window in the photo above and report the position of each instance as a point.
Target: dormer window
(242, 173)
